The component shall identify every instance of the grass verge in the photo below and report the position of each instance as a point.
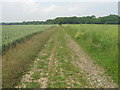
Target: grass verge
(99, 41)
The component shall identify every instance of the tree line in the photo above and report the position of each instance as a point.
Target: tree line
(110, 19)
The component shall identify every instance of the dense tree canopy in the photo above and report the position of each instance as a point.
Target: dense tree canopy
(111, 19)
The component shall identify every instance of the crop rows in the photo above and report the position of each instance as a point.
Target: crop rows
(12, 34)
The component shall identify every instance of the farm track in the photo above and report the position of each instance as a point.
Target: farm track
(62, 63)
(94, 73)
(18, 59)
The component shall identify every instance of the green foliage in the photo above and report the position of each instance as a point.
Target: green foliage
(36, 75)
(16, 33)
(17, 60)
(63, 72)
(32, 85)
(101, 42)
(111, 19)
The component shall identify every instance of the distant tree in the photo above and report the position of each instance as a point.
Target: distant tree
(110, 19)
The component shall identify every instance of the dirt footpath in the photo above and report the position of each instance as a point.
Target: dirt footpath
(63, 64)
(94, 73)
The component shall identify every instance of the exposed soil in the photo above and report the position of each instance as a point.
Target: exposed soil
(16, 60)
(89, 70)
(94, 73)
(28, 76)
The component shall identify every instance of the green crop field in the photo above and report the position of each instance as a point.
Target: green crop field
(99, 41)
(14, 33)
(60, 56)
(60, 45)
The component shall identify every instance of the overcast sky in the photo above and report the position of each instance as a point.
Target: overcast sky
(29, 10)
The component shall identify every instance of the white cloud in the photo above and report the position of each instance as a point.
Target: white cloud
(30, 6)
(49, 9)
(41, 11)
(71, 9)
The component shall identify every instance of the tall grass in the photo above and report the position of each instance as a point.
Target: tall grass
(99, 41)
